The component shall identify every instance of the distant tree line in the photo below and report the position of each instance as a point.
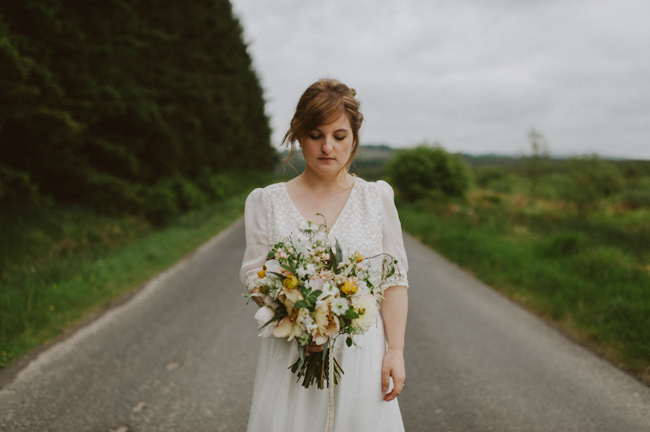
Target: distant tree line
(127, 105)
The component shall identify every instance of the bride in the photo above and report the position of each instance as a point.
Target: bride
(363, 217)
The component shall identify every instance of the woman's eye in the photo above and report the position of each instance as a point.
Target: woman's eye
(314, 137)
(339, 138)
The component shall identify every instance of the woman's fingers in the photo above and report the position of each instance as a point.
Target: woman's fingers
(385, 378)
(398, 386)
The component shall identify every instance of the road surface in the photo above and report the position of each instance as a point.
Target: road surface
(180, 356)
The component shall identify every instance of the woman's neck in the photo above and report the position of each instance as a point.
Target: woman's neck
(312, 180)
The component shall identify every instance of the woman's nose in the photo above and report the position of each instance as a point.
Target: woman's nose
(327, 145)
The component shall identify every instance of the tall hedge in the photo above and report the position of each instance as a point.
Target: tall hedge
(116, 103)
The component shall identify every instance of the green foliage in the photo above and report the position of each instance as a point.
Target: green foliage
(593, 179)
(635, 198)
(592, 277)
(106, 104)
(426, 171)
(60, 263)
(494, 177)
(563, 244)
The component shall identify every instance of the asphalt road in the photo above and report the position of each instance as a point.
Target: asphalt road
(180, 356)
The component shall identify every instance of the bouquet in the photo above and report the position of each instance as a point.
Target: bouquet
(313, 293)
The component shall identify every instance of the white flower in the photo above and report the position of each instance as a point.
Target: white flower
(328, 290)
(311, 269)
(315, 284)
(320, 236)
(263, 315)
(339, 305)
(300, 242)
(363, 286)
(365, 305)
(273, 266)
(301, 272)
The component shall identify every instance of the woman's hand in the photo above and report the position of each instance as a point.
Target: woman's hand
(258, 300)
(393, 366)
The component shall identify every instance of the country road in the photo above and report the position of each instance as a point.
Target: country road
(180, 356)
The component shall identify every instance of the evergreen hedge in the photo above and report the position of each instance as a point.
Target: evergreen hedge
(126, 105)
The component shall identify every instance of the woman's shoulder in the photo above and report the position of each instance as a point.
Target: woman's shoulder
(257, 193)
(380, 186)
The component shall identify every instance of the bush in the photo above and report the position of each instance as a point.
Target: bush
(160, 203)
(635, 198)
(593, 180)
(494, 178)
(189, 195)
(430, 172)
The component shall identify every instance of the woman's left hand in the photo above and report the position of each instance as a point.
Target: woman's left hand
(393, 366)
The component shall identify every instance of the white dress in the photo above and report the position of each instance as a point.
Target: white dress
(369, 224)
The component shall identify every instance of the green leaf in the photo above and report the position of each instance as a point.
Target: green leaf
(351, 314)
(301, 304)
(278, 316)
(348, 341)
(289, 268)
(281, 276)
(339, 254)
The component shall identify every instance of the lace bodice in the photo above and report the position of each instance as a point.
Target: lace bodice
(368, 223)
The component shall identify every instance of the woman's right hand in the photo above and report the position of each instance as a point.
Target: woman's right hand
(258, 300)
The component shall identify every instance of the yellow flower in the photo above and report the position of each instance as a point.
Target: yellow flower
(290, 282)
(359, 257)
(261, 274)
(349, 287)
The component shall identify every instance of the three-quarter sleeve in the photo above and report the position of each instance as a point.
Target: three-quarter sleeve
(393, 242)
(257, 241)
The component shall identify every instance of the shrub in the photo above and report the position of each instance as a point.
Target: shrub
(494, 178)
(426, 171)
(160, 203)
(635, 198)
(189, 195)
(593, 179)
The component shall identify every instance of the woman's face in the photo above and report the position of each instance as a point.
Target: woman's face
(327, 147)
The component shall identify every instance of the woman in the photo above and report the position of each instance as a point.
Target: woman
(363, 217)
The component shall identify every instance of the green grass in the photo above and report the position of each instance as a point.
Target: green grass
(59, 264)
(591, 277)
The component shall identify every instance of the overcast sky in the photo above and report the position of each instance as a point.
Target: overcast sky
(474, 75)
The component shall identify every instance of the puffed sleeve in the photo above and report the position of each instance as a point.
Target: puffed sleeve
(257, 241)
(392, 234)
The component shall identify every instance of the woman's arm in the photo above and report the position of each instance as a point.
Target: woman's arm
(395, 305)
(394, 311)
(257, 243)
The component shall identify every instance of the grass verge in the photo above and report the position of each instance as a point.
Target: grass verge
(592, 287)
(62, 265)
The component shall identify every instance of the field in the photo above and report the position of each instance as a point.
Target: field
(583, 264)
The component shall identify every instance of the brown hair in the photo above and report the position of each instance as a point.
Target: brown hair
(323, 100)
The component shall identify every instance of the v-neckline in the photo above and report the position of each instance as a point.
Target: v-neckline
(345, 206)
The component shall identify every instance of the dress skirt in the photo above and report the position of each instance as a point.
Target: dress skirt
(281, 404)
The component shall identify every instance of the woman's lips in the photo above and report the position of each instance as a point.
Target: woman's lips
(325, 159)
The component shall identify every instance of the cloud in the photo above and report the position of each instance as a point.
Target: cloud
(475, 75)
